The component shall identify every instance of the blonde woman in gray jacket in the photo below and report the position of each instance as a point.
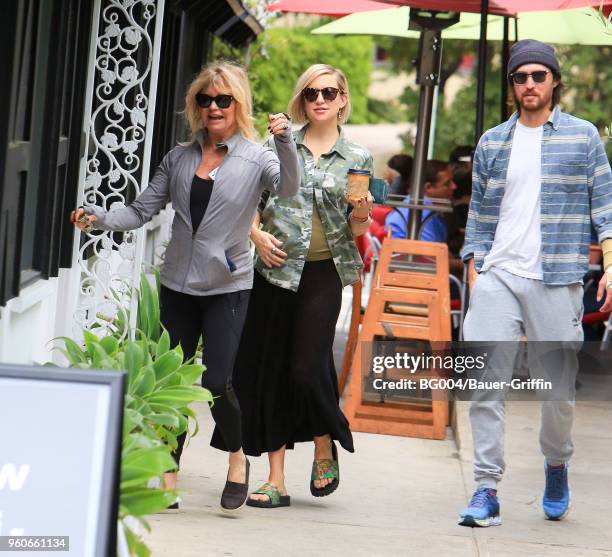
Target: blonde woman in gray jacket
(214, 184)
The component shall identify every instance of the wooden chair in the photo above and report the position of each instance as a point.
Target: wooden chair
(410, 299)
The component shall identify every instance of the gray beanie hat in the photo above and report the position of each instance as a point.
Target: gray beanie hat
(530, 51)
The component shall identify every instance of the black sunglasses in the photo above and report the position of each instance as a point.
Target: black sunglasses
(521, 77)
(311, 94)
(222, 101)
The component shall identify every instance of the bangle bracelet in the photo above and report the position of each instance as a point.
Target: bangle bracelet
(357, 219)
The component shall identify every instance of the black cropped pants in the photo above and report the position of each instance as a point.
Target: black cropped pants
(219, 319)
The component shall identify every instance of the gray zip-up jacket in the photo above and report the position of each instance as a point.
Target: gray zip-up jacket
(215, 258)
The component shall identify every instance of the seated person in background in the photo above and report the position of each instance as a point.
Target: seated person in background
(397, 174)
(461, 154)
(461, 166)
(593, 329)
(438, 184)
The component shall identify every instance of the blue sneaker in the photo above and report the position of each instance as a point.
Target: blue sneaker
(556, 498)
(483, 509)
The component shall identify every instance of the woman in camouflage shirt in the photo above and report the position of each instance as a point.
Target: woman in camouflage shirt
(284, 374)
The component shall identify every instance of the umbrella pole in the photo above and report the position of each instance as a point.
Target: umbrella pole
(482, 69)
(434, 120)
(504, 70)
(420, 153)
(428, 77)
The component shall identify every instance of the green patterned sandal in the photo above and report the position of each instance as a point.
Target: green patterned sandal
(322, 469)
(275, 499)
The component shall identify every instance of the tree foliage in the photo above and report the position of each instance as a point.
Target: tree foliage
(587, 94)
(288, 52)
(280, 55)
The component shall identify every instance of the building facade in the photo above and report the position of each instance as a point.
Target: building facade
(92, 94)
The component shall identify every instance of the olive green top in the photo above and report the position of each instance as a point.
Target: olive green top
(319, 248)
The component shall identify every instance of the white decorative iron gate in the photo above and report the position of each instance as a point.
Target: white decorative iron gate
(124, 59)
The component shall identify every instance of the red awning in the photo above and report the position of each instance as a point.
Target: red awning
(334, 8)
(339, 8)
(501, 7)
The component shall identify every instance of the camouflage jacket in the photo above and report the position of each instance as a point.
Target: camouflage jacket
(290, 219)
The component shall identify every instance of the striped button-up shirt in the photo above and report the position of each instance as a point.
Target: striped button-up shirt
(576, 191)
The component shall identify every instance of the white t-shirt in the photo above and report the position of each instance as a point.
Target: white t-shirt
(518, 237)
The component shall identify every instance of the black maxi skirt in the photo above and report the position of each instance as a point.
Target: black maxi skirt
(284, 375)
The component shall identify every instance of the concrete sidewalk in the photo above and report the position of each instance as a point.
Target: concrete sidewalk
(399, 497)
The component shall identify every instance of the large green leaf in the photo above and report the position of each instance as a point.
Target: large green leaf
(190, 413)
(142, 501)
(134, 359)
(168, 363)
(135, 441)
(145, 382)
(172, 380)
(131, 420)
(135, 545)
(166, 420)
(163, 344)
(147, 462)
(190, 373)
(90, 339)
(183, 424)
(110, 344)
(180, 396)
(167, 417)
(150, 301)
(163, 409)
(100, 359)
(75, 353)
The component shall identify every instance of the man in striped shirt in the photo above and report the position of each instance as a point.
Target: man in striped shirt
(539, 181)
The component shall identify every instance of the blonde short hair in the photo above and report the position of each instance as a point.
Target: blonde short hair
(296, 108)
(228, 78)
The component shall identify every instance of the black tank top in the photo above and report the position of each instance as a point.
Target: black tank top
(201, 189)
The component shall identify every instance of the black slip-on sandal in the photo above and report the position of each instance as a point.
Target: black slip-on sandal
(235, 494)
(325, 468)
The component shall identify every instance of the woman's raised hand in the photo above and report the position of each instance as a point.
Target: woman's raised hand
(268, 248)
(278, 123)
(364, 202)
(81, 219)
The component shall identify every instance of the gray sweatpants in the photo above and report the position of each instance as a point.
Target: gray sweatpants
(503, 307)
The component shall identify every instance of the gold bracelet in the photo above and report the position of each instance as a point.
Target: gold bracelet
(357, 219)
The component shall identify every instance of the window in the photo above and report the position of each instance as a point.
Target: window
(45, 45)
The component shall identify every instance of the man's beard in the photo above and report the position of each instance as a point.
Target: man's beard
(539, 105)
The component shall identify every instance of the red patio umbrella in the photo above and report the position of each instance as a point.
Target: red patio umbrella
(500, 7)
(334, 8)
(340, 8)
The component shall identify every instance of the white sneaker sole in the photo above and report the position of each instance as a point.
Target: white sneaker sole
(480, 522)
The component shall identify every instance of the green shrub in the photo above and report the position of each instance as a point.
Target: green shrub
(159, 392)
(275, 68)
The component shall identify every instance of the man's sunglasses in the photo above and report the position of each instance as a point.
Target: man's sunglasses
(520, 78)
(311, 94)
(222, 101)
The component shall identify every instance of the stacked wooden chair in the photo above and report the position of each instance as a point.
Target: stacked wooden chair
(410, 299)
